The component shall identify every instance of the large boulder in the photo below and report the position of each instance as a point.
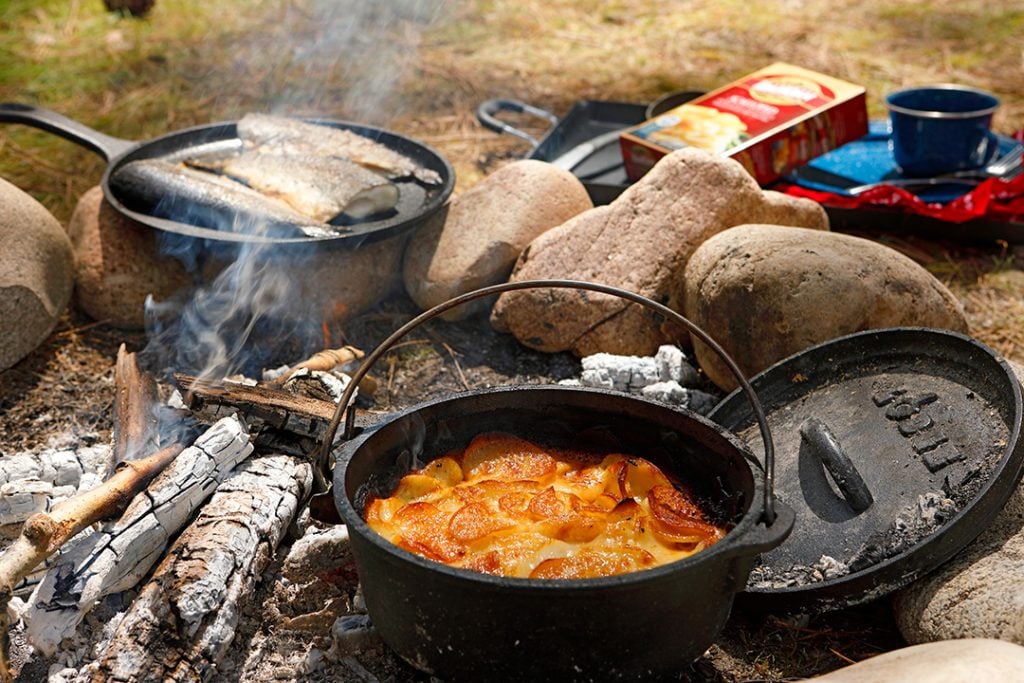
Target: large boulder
(953, 661)
(35, 273)
(117, 264)
(640, 242)
(977, 594)
(477, 241)
(764, 293)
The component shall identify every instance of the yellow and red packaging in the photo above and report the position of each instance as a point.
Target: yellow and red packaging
(771, 121)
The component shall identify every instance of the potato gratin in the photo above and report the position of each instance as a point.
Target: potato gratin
(509, 507)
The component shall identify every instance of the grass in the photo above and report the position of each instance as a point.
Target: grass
(422, 66)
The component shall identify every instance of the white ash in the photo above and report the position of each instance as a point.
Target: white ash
(329, 386)
(271, 374)
(667, 377)
(826, 568)
(673, 366)
(318, 550)
(118, 557)
(35, 482)
(673, 393)
(913, 523)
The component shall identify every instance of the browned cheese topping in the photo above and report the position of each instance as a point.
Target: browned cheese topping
(509, 507)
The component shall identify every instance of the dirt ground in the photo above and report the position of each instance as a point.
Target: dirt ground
(286, 619)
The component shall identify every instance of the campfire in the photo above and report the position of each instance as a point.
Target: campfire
(303, 477)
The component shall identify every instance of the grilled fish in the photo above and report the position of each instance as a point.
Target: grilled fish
(186, 195)
(318, 187)
(293, 137)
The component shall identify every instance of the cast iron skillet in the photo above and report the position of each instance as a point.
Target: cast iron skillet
(464, 625)
(416, 201)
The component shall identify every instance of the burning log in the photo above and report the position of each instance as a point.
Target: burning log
(135, 393)
(299, 415)
(118, 557)
(184, 619)
(44, 533)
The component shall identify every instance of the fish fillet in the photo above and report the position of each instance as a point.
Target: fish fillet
(319, 187)
(186, 195)
(297, 138)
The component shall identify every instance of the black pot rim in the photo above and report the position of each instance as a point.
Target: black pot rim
(731, 544)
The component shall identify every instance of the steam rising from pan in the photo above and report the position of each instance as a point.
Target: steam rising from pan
(253, 313)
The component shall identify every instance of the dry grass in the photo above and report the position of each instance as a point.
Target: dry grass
(422, 67)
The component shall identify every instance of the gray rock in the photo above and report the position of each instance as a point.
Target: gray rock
(477, 240)
(640, 242)
(974, 660)
(764, 292)
(977, 594)
(36, 273)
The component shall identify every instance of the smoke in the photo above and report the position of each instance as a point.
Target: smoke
(330, 58)
(344, 58)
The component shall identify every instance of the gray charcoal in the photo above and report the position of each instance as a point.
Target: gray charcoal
(351, 634)
(700, 402)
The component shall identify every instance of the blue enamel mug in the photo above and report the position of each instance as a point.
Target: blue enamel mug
(940, 129)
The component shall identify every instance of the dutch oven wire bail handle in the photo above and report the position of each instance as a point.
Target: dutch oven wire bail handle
(323, 456)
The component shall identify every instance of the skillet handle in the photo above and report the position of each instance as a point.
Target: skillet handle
(347, 408)
(106, 146)
(487, 113)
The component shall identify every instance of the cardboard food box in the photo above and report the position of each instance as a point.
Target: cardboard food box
(771, 121)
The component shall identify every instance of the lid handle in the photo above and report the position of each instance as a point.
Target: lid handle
(825, 446)
(344, 407)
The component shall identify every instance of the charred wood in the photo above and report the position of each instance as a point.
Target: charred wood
(44, 533)
(272, 407)
(135, 394)
(35, 482)
(120, 555)
(184, 619)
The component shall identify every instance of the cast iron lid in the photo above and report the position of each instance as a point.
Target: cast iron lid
(895, 448)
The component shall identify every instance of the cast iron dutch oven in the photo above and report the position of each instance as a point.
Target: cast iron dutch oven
(897, 447)
(416, 201)
(463, 625)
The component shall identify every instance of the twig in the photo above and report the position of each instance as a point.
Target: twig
(45, 532)
(458, 368)
(842, 656)
(80, 328)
